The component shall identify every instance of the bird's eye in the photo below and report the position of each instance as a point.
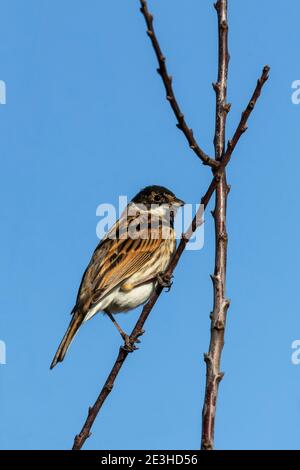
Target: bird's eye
(157, 198)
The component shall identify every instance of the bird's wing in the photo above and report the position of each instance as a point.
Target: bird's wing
(114, 261)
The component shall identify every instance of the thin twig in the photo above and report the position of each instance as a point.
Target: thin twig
(221, 303)
(242, 127)
(167, 80)
(138, 329)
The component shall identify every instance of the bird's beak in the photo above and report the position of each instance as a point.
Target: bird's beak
(179, 202)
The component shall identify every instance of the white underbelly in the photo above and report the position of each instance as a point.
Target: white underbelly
(121, 301)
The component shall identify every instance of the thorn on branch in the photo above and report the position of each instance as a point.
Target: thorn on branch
(140, 333)
(207, 358)
(220, 377)
(227, 107)
(216, 86)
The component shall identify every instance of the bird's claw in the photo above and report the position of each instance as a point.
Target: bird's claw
(129, 343)
(165, 280)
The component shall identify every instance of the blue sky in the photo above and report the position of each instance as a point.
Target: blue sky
(85, 121)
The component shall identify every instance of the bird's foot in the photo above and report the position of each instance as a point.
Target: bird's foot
(165, 280)
(129, 342)
(128, 345)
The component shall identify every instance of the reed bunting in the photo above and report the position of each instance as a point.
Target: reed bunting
(128, 263)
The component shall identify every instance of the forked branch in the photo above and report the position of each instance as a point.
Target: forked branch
(215, 183)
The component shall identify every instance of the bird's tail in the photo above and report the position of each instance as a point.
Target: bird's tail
(75, 323)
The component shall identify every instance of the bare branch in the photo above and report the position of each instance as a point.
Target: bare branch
(167, 81)
(222, 108)
(221, 303)
(242, 127)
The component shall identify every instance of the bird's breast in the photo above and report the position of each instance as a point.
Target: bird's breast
(120, 300)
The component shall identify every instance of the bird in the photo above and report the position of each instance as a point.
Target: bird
(128, 263)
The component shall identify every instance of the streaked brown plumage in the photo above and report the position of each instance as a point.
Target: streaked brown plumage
(125, 266)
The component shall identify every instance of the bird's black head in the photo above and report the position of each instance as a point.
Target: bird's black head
(157, 195)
